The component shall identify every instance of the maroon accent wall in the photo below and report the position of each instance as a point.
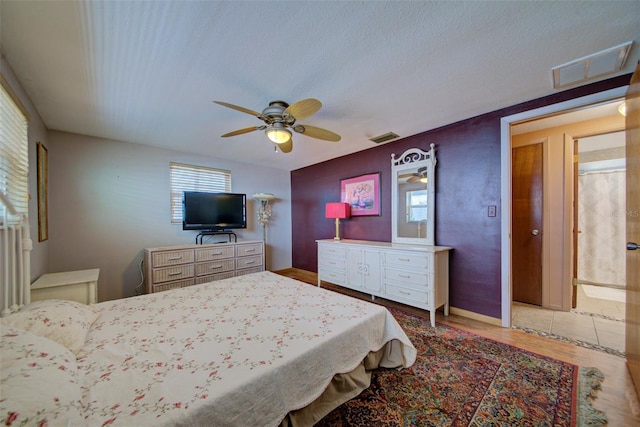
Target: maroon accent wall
(467, 182)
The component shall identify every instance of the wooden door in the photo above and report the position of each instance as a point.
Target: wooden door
(632, 322)
(526, 228)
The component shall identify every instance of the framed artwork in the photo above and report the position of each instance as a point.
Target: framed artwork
(362, 193)
(43, 192)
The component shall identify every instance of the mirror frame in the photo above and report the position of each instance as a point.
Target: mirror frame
(411, 159)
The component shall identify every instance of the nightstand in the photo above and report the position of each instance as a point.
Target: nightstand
(80, 286)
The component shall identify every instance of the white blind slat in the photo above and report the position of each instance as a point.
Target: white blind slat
(14, 154)
(194, 178)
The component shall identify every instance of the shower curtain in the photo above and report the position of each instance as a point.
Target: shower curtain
(601, 221)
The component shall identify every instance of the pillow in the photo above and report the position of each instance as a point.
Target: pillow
(39, 381)
(66, 322)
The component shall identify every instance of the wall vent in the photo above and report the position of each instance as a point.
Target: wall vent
(384, 138)
(589, 67)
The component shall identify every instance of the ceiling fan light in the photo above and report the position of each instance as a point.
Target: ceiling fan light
(278, 135)
(424, 179)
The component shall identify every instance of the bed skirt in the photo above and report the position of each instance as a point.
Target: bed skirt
(344, 387)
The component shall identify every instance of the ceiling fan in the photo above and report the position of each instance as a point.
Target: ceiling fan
(279, 117)
(420, 175)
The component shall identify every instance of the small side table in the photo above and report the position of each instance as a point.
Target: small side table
(80, 286)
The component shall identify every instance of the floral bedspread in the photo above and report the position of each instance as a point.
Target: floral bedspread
(237, 352)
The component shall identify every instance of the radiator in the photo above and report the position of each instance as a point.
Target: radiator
(15, 268)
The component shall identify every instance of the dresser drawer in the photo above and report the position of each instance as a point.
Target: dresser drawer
(406, 259)
(212, 277)
(212, 267)
(409, 295)
(172, 285)
(409, 278)
(337, 277)
(249, 271)
(249, 249)
(335, 264)
(163, 259)
(213, 253)
(172, 273)
(249, 261)
(332, 251)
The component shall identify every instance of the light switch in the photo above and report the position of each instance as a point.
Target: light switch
(491, 211)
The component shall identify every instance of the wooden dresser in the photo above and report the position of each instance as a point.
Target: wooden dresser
(170, 267)
(416, 275)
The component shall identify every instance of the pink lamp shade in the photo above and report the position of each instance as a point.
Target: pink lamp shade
(337, 210)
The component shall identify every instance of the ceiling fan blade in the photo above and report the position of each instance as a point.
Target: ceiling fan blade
(241, 131)
(315, 132)
(237, 108)
(286, 147)
(413, 179)
(303, 108)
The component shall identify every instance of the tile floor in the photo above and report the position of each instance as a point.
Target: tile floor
(597, 320)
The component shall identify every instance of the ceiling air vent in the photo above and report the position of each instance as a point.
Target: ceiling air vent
(384, 138)
(589, 67)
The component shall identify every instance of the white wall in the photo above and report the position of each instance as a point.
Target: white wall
(109, 199)
(37, 132)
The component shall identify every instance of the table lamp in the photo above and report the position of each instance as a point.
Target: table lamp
(337, 210)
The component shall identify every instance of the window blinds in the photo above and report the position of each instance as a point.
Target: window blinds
(14, 153)
(194, 178)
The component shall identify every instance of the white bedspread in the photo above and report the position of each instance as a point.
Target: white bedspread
(237, 352)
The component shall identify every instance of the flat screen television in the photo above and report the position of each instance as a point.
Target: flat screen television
(213, 211)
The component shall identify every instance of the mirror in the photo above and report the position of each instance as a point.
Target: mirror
(413, 196)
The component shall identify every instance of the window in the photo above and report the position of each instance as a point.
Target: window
(194, 178)
(417, 205)
(14, 151)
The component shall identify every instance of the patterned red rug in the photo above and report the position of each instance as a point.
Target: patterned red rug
(461, 379)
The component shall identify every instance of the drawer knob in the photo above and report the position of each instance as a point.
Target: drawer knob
(250, 262)
(250, 250)
(216, 253)
(404, 276)
(175, 274)
(405, 293)
(175, 258)
(215, 267)
(404, 259)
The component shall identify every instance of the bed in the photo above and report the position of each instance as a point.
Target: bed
(254, 350)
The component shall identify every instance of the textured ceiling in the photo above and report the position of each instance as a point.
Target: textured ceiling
(147, 72)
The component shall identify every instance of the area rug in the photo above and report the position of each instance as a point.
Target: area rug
(461, 379)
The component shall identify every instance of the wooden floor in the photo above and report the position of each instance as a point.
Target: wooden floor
(617, 398)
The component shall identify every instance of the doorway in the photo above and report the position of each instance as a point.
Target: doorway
(506, 176)
(601, 207)
(597, 321)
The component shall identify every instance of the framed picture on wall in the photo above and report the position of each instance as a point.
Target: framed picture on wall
(362, 193)
(43, 192)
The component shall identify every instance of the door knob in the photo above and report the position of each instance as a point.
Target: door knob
(535, 232)
(632, 246)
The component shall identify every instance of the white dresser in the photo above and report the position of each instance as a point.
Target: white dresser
(170, 267)
(79, 285)
(416, 275)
